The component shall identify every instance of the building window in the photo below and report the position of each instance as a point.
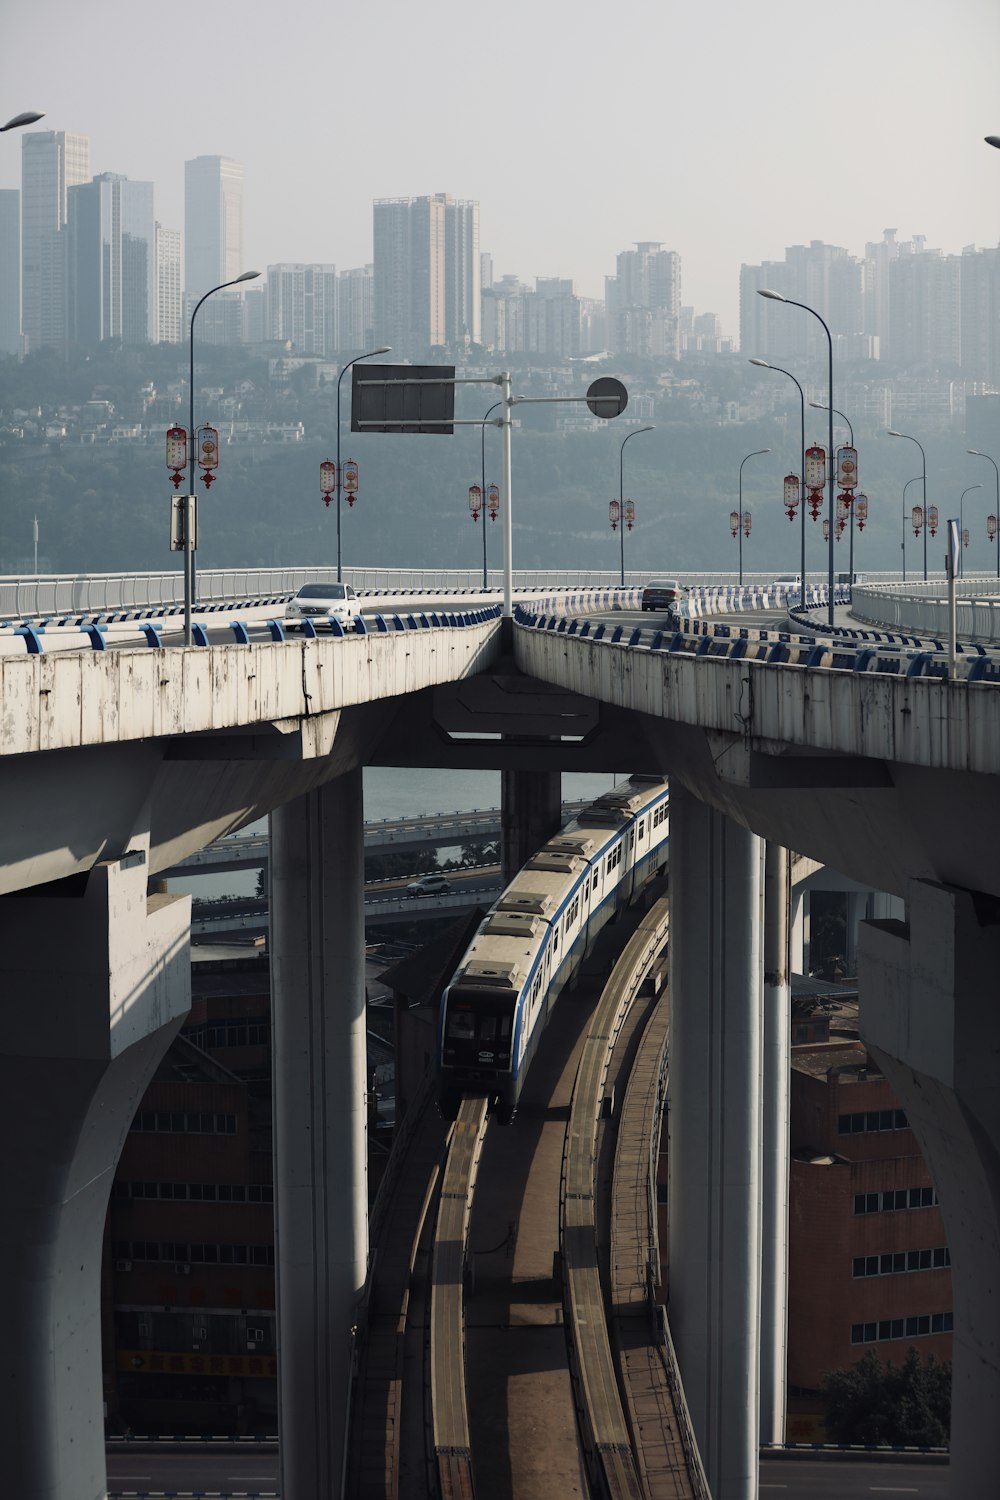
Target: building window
(187, 1122)
(901, 1328)
(866, 1122)
(892, 1200)
(198, 1192)
(194, 1253)
(900, 1261)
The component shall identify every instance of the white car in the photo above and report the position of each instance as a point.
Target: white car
(429, 885)
(321, 602)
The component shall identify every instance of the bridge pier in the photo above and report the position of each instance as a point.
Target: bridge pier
(320, 1161)
(775, 1107)
(929, 1014)
(96, 985)
(531, 812)
(714, 1150)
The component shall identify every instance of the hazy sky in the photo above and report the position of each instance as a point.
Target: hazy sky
(726, 131)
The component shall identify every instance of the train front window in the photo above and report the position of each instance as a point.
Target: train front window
(461, 1025)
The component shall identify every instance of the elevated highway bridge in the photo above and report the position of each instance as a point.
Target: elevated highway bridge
(116, 765)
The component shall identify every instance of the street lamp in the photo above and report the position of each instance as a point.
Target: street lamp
(27, 118)
(386, 349)
(961, 525)
(755, 454)
(906, 486)
(621, 490)
(923, 460)
(994, 141)
(779, 297)
(820, 406)
(802, 469)
(189, 575)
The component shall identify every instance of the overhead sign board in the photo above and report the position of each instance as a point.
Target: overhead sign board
(403, 398)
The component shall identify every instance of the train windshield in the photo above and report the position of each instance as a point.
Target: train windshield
(477, 1028)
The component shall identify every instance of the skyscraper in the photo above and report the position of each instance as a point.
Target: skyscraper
(644, 301)
(302, 307)
(111, 261)
(213, 224)
(169, 327)
(52, 161)
(10, 271)
(355, 330)
(427, 273)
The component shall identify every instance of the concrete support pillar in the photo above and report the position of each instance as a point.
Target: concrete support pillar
(714, 1113)
(320, 1126)
(774, 1147)
(95, 987)
(799, 931)
(531, 812)
(856, 901)
(930, 1014)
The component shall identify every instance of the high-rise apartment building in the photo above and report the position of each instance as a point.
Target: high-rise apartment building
(169, 327)
(213, 224)
(111, 262)
(925, 318)
(823, 277)
(427, 273)
(980, 291)
(52, 161)
(10, 271)
(302, 307)
(644, 301)
(355, 325)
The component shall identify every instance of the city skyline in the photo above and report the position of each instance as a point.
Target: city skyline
(709, 158)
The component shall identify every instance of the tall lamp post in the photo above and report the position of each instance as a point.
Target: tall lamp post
(621, 490)
(906, 486)
(993, 140)
(819, 405)
(755, 454)
(27, 118)
(961, 526)
(923, 462)
(779, 297)
(492, 409)
(764, 365)
(386, 349)
(189, 573)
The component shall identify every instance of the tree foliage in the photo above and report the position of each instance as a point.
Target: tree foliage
(898, 1405)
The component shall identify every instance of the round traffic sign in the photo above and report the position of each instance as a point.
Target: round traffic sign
(607, 397)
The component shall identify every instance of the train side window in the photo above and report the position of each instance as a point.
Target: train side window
(642, 829)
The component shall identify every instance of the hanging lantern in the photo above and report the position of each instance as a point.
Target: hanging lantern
(815, 478)
(207, 449)
(843, 509)
(965, 537)
(840, 525)
(349, 480)
(746, 523)
(991, 527)
(614, 512)
(327, 479)
(932, 519)
(918, 519)
(493, 500)
(791, 495)
(475, 501)
(826, 528)
(861, 509)
(630, 514)
(847, 467)
(177, 453)
(734, 522)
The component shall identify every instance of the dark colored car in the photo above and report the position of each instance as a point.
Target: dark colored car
(665, 594)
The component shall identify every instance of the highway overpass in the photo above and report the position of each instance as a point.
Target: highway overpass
(118, 764)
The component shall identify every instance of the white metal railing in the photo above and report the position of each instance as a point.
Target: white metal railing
(922, 608)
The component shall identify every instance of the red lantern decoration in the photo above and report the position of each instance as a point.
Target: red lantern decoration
(349, 478)
(847, 467)
(840, 525)
(493, 500)
(991, 527)
(861, 509)
(815, 478)
(630, 514)
(826, 528)
(918, 519)
(734, 522)
(791, 495)
(843, 508)
(177, 453)
(932, 519)
(475, 501)
(614, 512)
(965, 537)
(327, 479)
(746, 523)
(207, 449)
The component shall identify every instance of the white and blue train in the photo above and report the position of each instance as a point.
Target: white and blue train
(532, 942)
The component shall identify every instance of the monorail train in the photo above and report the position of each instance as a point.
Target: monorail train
(533, 940)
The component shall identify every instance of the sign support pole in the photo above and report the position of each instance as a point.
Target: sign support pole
(508, 521)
